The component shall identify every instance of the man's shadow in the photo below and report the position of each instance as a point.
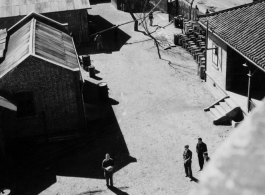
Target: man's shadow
(117, 191)
(194, 179)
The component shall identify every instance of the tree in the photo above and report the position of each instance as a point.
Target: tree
(190, 7)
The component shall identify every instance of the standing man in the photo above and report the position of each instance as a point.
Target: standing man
(99, 40)
(200, 149)
(107, 166)
(187, 156)
(151, 17)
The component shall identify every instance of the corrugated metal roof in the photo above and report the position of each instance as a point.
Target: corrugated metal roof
(3, 35)
(55, 45)
(243, 28)
(43, 41)
(10, 8)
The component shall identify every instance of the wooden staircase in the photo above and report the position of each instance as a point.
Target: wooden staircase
(225, 112)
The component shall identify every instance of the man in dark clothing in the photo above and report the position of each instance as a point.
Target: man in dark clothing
(187, 156)
(107, 166)
(200, 149)
(151, 17)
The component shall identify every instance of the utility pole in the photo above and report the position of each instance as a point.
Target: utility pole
(206, 48)
(168, 9)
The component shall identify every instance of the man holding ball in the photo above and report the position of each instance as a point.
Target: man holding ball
(107, 166)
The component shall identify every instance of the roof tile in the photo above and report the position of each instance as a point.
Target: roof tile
(243, 28)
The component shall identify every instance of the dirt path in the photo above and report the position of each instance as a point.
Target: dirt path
(160, 110)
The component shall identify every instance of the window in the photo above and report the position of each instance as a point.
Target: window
(25, 104)
(215, 54)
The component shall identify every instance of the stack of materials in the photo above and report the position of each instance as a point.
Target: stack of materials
(193, 40)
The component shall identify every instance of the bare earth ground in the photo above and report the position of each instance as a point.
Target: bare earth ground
(159, 110)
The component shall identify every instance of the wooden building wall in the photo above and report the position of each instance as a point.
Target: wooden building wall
(56, 92)
(217, 70)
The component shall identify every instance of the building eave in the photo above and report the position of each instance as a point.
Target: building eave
(247, 58)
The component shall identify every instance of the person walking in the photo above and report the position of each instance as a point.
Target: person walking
(99, 40)
(107, 166)
(151, 17)
(200, 149)
(187, 157)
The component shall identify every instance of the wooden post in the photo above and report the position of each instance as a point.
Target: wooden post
(249, 87)
(206, 48)
(168, 10)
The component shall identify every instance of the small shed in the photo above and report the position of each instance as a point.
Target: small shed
(41, 72)
(72, 12)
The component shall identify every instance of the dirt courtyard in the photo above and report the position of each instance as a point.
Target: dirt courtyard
(159, 109)
(155, 108)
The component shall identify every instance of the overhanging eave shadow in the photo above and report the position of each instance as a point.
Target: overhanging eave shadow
(113, 40)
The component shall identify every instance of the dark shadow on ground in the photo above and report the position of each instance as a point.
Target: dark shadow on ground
(117, 191)
(94, 2)
(194, 179)
(110, 44)
(32, 173)
(86, 160)
(97, 78)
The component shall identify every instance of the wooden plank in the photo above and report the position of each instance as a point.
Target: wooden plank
(51, 56)
(23, 10)
(15, 10)
(30, 8)
(62, 6)
(70, 5)
(8, 11)
(77, 4)
(54, 6)
(7, 2)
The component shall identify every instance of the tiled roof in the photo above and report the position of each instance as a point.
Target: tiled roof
(41, 40)
(243, 27)
(9, 8)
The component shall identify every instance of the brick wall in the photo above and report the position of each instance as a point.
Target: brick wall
(56, 91)
(217, 72)
(76, 19)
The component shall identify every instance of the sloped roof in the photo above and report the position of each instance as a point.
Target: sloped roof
(7, 104)
(242, 28)
(9, 8)
(42, 41)
(17, 49)
(3, 35)
(54, 45)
